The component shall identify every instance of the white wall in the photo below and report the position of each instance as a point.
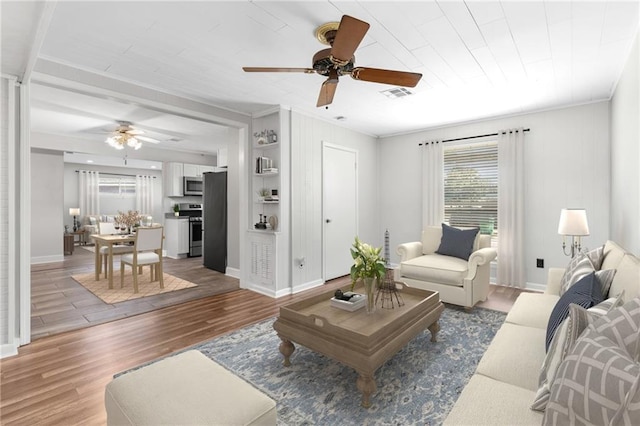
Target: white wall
(307, 136)
(233, 204)
(47, 198)
(566, 165)
(4, 213)
(625, 155)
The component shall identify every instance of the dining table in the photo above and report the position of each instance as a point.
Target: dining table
(109, 241)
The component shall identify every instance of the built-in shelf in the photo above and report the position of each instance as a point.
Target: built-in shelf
(266, 145)
(266, 174)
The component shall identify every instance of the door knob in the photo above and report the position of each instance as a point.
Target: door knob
(328, 220)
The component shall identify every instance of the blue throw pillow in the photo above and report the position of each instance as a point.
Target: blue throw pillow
(586, 292)
(457, 242)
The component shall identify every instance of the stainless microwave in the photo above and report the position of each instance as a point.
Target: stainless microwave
(192, 185)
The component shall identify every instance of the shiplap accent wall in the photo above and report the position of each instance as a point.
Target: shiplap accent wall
(307, 136)
(567, 164)
(625, 155)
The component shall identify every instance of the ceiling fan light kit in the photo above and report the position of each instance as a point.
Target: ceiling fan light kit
(125, 135)
(344, 37)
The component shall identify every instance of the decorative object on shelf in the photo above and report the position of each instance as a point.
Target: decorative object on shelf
(262, 224)
(273, 222)
(263, 193)
(573, 222)
(387, 290)
(66, 229)
(176, 209)
(369, 267)
(265, 165)
(75, 212)
(266, 137)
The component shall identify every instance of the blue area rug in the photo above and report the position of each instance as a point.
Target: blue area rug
(419, 385)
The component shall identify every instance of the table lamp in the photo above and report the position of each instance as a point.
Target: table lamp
(75, 212)
(573, 222)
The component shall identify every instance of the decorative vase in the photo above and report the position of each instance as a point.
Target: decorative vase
(369, 291)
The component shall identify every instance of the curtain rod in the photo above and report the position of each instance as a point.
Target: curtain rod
(470, 137)
(117, 174)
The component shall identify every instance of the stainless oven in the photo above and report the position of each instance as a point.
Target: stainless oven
(195, 236)
(192, 185)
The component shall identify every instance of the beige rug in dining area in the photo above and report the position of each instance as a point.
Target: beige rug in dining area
(145, 286)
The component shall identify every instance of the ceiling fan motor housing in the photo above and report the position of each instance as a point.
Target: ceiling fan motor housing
(323, 62)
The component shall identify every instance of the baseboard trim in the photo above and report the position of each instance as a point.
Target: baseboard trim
(9, 349)
(233, 272)
(307, 286)
(535, 287)
(47, 259)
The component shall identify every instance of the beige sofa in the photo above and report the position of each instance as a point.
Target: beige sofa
(504, 385)
(460, 282)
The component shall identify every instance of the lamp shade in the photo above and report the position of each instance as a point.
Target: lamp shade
(74, 211)
(573, 222)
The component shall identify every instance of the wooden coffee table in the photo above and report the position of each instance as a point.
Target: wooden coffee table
(357, 339)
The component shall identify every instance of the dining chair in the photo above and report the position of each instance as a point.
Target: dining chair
(107, 228)
(147, 250)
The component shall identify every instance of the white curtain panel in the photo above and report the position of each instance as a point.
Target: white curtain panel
(88, 192)
(144, 194)
(511, 266)
(432, 184)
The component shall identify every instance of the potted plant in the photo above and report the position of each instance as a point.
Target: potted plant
(263, 193)
(368, 266)
(176, 209)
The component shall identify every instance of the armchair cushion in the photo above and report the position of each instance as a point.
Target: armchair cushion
(457, 242)
(436, 268)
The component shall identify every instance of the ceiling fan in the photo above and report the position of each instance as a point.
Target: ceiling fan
(127, 135)
(344, 38)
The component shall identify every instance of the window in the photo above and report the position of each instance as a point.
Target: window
(118, 186)
(471, 186)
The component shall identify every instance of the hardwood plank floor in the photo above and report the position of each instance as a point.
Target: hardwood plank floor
(60, 379)
(59, 303)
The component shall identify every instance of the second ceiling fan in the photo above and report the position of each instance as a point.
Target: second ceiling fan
(344, 38)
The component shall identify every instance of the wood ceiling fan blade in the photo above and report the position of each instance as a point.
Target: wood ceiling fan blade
(350, 33)
(327, 91)
(274, 69)
(377, 75)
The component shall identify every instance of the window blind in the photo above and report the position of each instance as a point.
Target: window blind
(471, 186)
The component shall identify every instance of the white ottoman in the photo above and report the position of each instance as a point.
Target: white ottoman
(186, 389)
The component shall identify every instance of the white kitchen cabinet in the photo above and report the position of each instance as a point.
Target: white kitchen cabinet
(221, 158)
(196, 169)
(173, 173)
(176, 241)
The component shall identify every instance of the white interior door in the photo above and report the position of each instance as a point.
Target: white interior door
(340, 208)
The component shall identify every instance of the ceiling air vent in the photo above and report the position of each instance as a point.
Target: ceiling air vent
(397, 92)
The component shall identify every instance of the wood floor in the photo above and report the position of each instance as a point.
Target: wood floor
(59, 303)
(60, 379)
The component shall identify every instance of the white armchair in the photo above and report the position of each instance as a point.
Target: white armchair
(459, 281)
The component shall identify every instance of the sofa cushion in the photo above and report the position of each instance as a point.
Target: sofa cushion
(486, 401)
(566, 335)
(515, 345)
(578, 267)
(532, 310)
(436, 268)
(586, 293)
(627, 277)
(622, 326)
(594, 383)
(457, 242)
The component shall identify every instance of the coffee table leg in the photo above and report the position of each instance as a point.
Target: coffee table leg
(434, 328)
(367, 385)
(286, 349)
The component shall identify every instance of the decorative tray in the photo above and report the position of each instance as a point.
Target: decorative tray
(356, 302)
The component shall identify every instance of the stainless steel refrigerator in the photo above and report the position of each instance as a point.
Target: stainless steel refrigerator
(214, 220)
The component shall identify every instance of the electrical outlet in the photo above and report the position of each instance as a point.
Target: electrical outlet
(539, 263)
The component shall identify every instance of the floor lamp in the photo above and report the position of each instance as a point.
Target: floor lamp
(75, 212)
(573, 223)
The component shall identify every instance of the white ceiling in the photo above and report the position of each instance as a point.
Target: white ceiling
(478, 59)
